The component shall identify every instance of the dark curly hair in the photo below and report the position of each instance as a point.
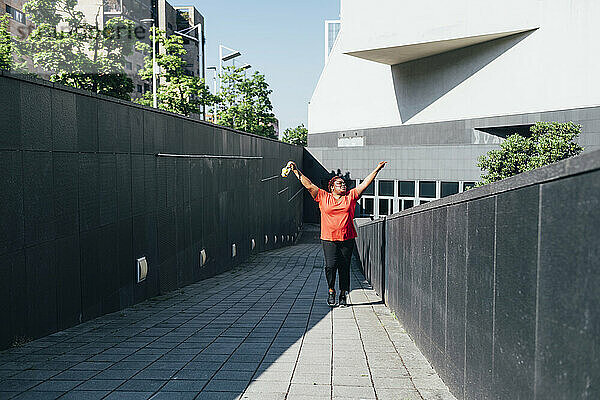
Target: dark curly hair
(332, 182)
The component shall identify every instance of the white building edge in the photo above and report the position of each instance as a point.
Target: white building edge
(431, 85)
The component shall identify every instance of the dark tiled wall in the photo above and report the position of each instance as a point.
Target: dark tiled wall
(499, 285)
(84, 194)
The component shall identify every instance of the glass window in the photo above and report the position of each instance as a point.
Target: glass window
(16, 14)
(449, 188)
(368, 206)
(370, 190)
(139, 88)
(386, 188)
(408, 204)
(406, 188)
(384, 207)
(468, 185)
(424, 201)
(427, 189)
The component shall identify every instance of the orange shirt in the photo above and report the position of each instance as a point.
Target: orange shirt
(337, 215)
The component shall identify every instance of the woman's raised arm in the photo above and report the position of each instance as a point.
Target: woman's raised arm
(312, 188)
(364, 184)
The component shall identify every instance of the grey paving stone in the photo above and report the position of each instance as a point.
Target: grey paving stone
(178, 395)
(101, 384)
(403, 382)
(267, 387)
(315, 391)
(129, 395)
(284, 375)
(312, 378)
(264, 396)
(84, 395)
(19, 385)
(128, 365)
(35, 374)
(141, 385)
(240, 366)
(398, 394)
(167, 365)
(75, 375)
(29, 395)
(193, 374)
(205, 395)
(55, 385)
(92, 366)
(352, 380)
(437, 394)
(234, 375)
(229, 385)
(116, 374)
(353, 392)
(184, 385)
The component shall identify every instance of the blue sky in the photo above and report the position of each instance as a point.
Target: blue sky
(282, 39)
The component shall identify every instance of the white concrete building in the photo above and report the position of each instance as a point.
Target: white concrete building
(431, 85)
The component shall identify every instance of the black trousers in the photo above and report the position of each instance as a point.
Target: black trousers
(338, 255)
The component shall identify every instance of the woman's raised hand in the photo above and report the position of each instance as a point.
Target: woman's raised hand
(381, 165)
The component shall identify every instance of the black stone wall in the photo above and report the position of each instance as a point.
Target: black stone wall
(83, 194)
(499, 286)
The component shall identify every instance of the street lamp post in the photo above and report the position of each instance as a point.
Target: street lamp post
(185, 33)
(154, 84)
(214, 68)
(222, 58)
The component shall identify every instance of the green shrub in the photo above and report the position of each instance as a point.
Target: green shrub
(550, 142)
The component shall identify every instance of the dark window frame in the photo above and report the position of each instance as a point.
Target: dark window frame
(400, 193)
(446, 193)
(427, 184)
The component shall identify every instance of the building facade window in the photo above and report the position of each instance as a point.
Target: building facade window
(406, 188)
(449, 188)
(468, 185)
(370, 190)
(386, 188)
(427, 189)
(393, 196)
(16, 14)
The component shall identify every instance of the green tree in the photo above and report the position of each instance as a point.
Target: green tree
(244, 103)
(76, 53)
(550, 142)
(177, 92)
(297, 135)
(6, 60)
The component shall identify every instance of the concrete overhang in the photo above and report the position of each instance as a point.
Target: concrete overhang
(414, 51)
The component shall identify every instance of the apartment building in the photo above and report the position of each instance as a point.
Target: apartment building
(183, 20)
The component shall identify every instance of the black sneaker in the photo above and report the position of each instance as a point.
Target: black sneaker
(343, 299)
(331, 299)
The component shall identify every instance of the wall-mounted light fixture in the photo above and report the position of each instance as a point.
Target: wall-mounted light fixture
(203, 257)
(141, 269)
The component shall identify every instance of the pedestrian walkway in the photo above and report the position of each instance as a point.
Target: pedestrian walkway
(261, 331)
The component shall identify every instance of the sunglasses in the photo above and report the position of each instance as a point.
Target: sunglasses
(339, 184)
